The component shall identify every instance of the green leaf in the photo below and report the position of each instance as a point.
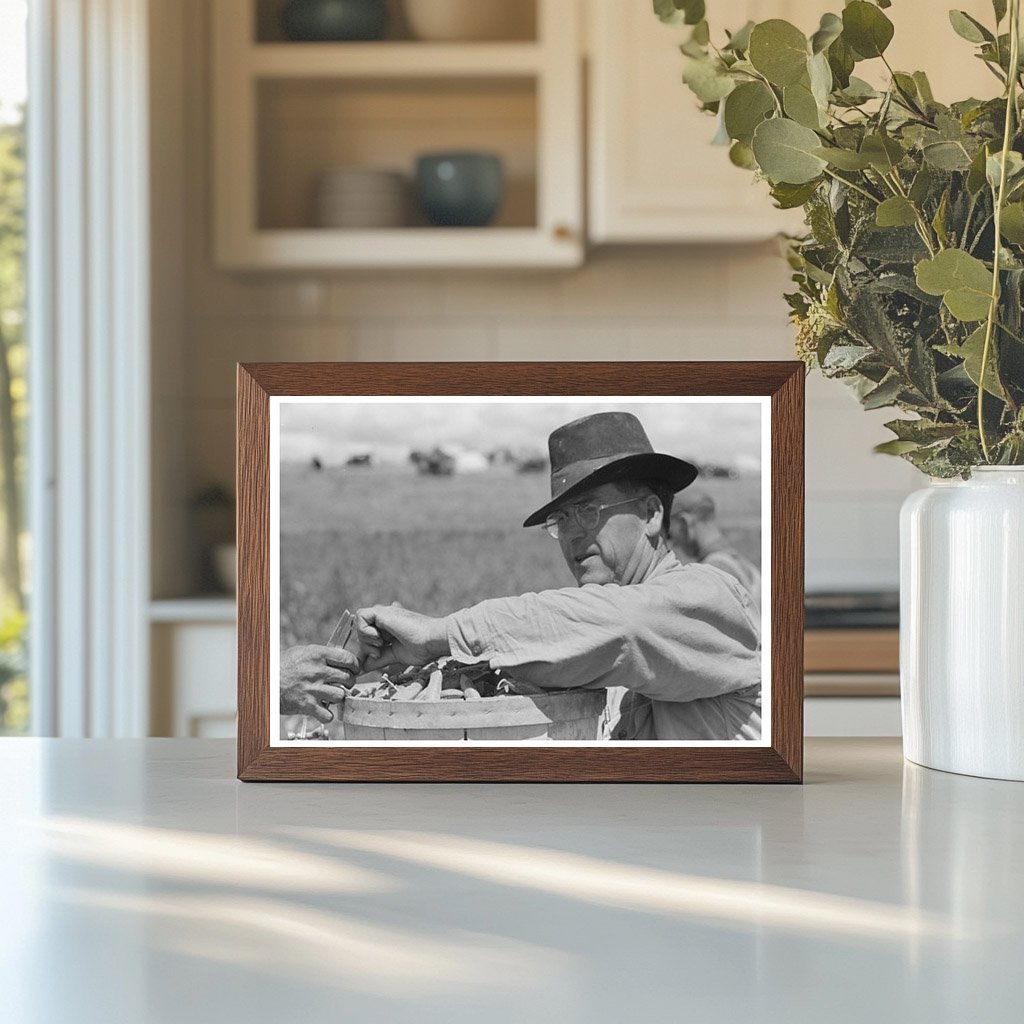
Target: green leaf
(997, 53)
(1012, 223)
(830, 29)
(971, 352)
(668, 12)
(844, 159)
(885, 394)
(967, 304)
(707, 80)
(946, 156)
(923, 431)
(1014, 169)
(778, 50)
(822, 222)
(921, 186)
(694, 10)
(785, 152)
(866, 29)
(820, 76)
(906, 88)
(745, 108)
(897, 246)
(968, 28)
(883, 153)
(999, 6)
(742, 155)
(896, 212)
(924, 88)
(841, 60)
(676, 12)
(743, 67)
(895, 447)
(800, 105)
(976, 175)
(739, 41)
(963, 281)
(858, 91)
(701, 33)
(789, 197)
(939, 220)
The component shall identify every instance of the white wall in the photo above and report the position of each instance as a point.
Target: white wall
(720, 302)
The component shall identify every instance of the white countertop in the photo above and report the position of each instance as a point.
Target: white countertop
(141, 883)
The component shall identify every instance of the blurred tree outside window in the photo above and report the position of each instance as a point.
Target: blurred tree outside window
(14, 695)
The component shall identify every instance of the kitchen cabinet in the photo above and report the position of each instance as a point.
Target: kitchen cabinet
(653, 175)
(193, 673)
(286, 113)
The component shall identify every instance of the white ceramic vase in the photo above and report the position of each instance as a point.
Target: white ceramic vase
(962, 624)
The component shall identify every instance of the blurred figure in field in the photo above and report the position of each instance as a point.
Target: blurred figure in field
(697, 537)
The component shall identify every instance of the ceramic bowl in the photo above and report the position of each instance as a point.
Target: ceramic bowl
(358, 197)
(334, 20)
(469, 20)
(460, 189)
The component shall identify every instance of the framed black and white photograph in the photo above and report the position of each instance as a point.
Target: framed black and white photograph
(520, 571)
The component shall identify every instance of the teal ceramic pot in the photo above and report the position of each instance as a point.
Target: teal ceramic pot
(334, 20)
(460, 189)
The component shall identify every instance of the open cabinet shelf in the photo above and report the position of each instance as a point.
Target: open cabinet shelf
(286, 114)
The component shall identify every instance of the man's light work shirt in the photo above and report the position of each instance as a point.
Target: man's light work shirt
(685, 642)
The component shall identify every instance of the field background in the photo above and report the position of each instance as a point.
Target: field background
(353, 537)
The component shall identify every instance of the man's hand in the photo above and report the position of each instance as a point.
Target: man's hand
(314, 676)
(392, 634)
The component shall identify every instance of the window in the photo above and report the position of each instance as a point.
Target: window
(14, 549)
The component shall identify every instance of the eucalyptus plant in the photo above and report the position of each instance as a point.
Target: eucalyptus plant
(910, 278)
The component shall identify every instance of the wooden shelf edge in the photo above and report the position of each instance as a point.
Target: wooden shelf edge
(392, 60)
(410, 248)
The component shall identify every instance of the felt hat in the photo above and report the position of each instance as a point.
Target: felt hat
(604, 448)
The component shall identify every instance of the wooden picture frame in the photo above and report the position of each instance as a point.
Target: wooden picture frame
(779, 758)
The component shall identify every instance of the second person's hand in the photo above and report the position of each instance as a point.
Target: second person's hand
(394, 635)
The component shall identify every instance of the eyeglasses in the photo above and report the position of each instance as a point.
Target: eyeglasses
(587, 516)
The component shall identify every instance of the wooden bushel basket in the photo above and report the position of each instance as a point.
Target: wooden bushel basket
(569, 715)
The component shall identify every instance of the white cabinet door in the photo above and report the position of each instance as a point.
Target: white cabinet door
(653, 174)
(193, 679)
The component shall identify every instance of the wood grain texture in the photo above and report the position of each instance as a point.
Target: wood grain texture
(781, 762)
(787, 575)
(852, 650)
(252, 487)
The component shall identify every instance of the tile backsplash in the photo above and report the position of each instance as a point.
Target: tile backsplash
(718, 302)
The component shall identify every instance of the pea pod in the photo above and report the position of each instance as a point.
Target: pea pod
(409, 691)
(433, 690)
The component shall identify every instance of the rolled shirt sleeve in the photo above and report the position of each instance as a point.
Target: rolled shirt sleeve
(684, 634)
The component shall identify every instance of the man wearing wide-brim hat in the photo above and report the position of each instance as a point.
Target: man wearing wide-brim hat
(684, 641)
